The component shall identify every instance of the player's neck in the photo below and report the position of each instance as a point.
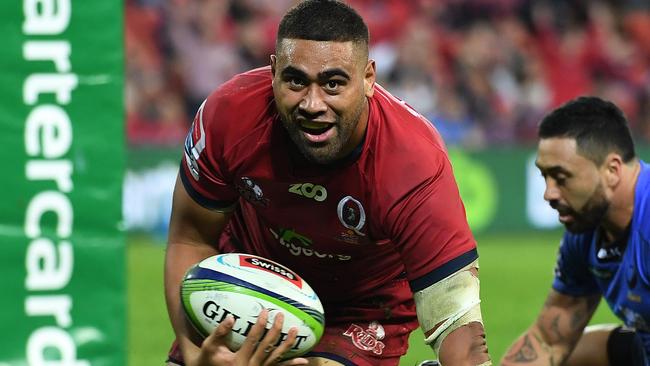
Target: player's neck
(619, 215)
(359, 132)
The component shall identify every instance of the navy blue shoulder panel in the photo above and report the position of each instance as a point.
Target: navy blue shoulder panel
(444, 271)
(209, 204)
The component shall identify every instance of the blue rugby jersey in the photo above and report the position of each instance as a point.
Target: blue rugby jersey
(623, 280)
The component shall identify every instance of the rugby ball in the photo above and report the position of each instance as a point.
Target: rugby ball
(242, 285)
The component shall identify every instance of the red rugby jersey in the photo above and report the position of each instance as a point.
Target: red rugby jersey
(392, 208)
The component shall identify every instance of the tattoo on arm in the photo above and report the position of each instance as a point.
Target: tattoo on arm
(577, 319)
(526, 353)
(556, 331)
(555, 328)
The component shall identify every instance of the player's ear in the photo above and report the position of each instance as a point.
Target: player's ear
(613, 166)
(274, 60)
(370, 74)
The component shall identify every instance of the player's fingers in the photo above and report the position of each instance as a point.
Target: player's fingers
(276, 355)
(294, 362)
(216, 338)
(266, 347)
(255, 334)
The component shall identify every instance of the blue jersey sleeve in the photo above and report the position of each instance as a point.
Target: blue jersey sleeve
(572, 275)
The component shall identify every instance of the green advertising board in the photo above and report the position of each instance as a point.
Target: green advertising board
(503, 191)
(62, 275)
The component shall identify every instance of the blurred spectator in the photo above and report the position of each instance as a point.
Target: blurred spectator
(483, 71)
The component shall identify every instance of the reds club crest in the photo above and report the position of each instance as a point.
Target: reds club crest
(251, 192)
(195, 143)
(351, 214)
(368, 339)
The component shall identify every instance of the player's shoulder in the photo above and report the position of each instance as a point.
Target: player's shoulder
(641, 220)
(405, 152)
(237, 111)
(403, 137)
(577, 245)
(403, 128)
(242, 98)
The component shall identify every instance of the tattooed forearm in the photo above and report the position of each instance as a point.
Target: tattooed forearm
(578, 320)
(533, 350)
(526, 353)
(553, 336)
(552, 329)
(555, 328)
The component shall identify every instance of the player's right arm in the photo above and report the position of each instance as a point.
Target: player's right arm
(550, 340)
(192, 230)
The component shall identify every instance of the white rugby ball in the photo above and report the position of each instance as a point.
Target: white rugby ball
(242, 285)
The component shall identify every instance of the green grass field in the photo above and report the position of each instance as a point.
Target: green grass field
(516, 273)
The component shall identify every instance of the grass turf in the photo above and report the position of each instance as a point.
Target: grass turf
(516, 273)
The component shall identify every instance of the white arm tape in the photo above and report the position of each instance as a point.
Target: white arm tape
(453, 302)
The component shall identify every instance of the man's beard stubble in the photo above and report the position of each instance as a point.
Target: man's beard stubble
(326, 152)
(591, 215)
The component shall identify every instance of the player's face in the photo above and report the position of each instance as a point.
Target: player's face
(574, 185)
(320, 90)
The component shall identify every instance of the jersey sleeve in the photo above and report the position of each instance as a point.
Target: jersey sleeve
(572, 276)
(203, 172)
(431, 229)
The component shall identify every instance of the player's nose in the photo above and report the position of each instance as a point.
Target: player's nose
(312, 103)
(551, 192)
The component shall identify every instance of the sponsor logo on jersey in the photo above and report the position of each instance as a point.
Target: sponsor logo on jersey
(600, 273)
(633, 297)
(309, 190)
(609, 254)
(299, 245)
(632, 319)
(368, 339)
(348, 236)
(195, 143)
(351, 214)
(251, 192)
(268, 266)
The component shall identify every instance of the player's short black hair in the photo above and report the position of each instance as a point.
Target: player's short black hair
(323, 20)
(598, 126)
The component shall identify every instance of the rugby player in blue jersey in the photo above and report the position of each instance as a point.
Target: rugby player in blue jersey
(601, 191)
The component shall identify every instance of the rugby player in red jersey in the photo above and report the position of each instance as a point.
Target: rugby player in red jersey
(312, 164)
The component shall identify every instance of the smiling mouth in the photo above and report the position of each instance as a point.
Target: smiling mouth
(315, 128)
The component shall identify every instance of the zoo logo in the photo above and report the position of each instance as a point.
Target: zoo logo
(309, 190)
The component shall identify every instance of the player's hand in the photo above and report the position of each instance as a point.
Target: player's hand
(257, 349)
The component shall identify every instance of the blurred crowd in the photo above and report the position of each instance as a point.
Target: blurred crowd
(483, 71)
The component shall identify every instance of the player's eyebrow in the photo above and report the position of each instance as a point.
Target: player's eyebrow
(292, 71)
(328, 74)
(555, 169)
(324, 75)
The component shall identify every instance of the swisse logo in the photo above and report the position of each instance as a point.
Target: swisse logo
(309, 190)
(268, 266)
(217, 314)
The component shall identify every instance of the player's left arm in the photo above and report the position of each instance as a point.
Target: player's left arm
(440, 257)
(450, 315)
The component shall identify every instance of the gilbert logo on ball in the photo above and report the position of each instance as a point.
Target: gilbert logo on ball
(242, 285)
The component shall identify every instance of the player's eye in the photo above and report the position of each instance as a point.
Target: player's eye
(333, 85)
(295, 82)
